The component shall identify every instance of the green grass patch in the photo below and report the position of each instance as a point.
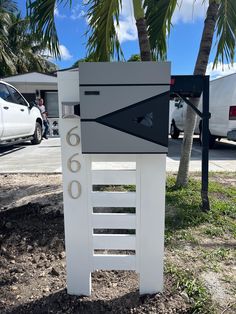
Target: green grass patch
(212, 231)
(193, 288)
(186, 211)
(216, 255)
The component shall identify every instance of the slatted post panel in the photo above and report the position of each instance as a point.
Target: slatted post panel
(112, 170)
(76, 215)
(150, 189)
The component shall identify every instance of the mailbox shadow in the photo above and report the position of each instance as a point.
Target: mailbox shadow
(61, 302)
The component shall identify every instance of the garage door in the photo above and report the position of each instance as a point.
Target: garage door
(51, 100)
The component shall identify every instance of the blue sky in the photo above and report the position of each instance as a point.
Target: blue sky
(183, 42)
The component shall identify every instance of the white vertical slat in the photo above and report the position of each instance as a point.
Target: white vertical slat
(78, 246)
(150, 226)
(114, 262)
(118, 177)
(113, 199)
(113, 221)
(114, 242)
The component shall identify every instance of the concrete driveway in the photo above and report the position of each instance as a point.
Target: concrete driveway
(46, 157)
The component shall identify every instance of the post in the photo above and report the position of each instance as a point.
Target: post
(205, 144)
(150, 207)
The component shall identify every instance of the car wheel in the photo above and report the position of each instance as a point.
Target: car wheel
(174, 132)
(37, 137)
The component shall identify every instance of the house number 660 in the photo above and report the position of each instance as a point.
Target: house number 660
(73, 139)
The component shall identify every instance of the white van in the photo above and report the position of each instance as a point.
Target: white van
(222, 108)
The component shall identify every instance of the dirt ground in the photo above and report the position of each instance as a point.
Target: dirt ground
(32, 263)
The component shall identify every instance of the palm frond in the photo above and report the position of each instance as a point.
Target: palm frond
(41, 14)
(8, 6)
(7, 61)
(158, 16)
(225, 32)
(103, 18)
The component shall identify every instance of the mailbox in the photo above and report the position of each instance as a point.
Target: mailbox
(124, 107)
(120, 108)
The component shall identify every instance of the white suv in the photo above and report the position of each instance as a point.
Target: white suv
(19, 120)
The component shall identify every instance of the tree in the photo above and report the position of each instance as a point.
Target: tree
(153, 20)
(220, 19)
(20, 49)
(27, 47)
(220, 13)
(87, 59)
(103, 16)
(7, 8)
(134, 58)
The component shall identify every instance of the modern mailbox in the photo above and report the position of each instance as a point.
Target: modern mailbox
(124, 107)
(123, 118)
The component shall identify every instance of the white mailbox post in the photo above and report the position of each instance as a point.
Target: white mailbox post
(123, 117)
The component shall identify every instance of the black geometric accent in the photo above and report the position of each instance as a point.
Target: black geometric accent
(147, 119)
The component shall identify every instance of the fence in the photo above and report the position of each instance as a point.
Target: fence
(137, 216)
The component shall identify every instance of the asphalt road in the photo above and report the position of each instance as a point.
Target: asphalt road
(46, 157)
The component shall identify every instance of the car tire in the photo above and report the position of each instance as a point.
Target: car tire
(37, 137)
(174, 131)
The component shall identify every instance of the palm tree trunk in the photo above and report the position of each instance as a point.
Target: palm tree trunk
(200, 69)
(144, 43)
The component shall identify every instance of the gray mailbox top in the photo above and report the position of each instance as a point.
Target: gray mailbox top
(94, 73)
(124, 107)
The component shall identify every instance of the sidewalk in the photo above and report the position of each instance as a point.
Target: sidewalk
(46, 158)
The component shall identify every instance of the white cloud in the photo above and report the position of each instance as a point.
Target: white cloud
(77, 12)
(189, 11)
(221, 70)
(127, 28)
(65, 54)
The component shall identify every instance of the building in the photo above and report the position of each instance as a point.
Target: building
(39, 85)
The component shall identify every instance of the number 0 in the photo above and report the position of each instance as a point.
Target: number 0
(77, 193)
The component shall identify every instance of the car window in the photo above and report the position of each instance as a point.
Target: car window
(17, 98)
(4, 93)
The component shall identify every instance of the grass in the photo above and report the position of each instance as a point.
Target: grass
(198, 240)
(209, 237)
(186, 205)
(187, 283)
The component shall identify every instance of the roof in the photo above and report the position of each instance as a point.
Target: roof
(69, 69)
(32, 77)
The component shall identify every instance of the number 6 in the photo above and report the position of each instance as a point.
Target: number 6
(76, 164)
(69, 136)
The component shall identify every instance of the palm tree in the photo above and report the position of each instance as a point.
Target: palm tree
(220, 19)
(27, 47)
(153, 20)
(7, 66)
(20, 49)
(103, 16)
(152, 27)
(8, 6)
